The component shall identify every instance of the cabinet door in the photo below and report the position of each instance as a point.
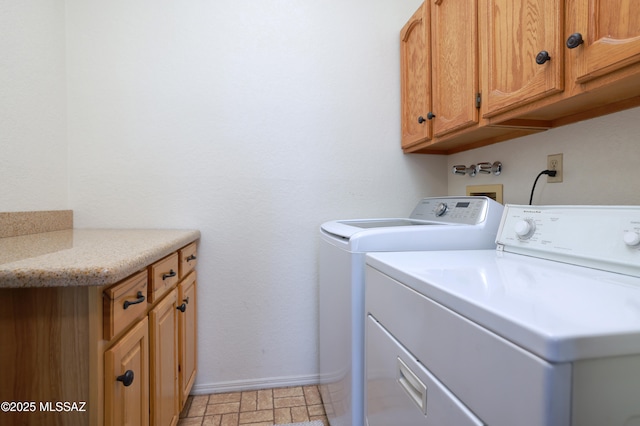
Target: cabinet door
(187, 316)
(611, 36)
(415, 78)
(126, 378)
(454, 64)
(163, 324)
(516, 35)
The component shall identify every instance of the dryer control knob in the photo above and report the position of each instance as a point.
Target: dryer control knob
(525, 229)
(631, 238)
(441, 209)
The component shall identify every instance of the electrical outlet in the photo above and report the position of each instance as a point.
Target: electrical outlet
(554, 162)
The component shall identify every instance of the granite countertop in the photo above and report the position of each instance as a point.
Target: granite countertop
(84, 257)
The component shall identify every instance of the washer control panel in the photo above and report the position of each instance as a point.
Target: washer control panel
(603, 237)
(460, 210)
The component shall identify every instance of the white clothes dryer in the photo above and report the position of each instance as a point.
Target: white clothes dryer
(544, 330)
(438, 223)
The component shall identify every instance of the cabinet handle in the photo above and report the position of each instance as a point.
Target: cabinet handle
(140, 299)
(171, 274)
(186, 300)
(421, 119)
(182, 307)
(192, 257)
(126, 378)
(574, 40)
(542, 57)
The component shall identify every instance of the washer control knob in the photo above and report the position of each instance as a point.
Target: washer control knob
(631, 238)
(525, 229)
(441, 209)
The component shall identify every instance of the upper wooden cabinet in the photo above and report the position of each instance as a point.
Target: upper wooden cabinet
(498, 69)
(524, 55)
(607, 37)
(439, 71)
(415, 75)
(454, 65)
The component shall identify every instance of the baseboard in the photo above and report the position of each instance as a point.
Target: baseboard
(245, 385)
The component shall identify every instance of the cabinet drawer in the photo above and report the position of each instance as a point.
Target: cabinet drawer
(124, 303)
(188, 259)
(163, 276)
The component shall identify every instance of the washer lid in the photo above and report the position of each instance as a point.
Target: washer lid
(560, 312)
(428, 211)
(348, 228)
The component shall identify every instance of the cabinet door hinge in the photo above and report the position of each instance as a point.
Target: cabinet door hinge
(478, 99)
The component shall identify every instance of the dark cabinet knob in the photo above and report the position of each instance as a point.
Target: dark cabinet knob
(182, 307)
(542, 57)
(421, 119)
(431, 116)
(126, 378)
(574, 40)
(190, 258)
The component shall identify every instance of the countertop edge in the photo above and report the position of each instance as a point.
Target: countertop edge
(52, 270)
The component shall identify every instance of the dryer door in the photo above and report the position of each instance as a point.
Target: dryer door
(401, 391)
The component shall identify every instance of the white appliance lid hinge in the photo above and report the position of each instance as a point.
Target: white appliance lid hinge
(500, 247)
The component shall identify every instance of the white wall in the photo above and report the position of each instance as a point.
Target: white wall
(253, 122)
(33, 144)
(600, 159)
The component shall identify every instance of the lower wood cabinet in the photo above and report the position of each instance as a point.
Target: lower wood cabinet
(123, 354)
(163, 320)
(126, 372)
(187, 316)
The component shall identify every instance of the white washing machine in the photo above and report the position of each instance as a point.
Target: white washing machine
(440, 223)
(542, 331)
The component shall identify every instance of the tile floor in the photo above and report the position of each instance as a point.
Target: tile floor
(254, 408)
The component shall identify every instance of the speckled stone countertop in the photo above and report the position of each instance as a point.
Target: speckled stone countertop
(84, 257)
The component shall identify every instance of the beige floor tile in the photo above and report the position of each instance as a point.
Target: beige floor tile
(292, 401)
(282, 415)
(312, 395)
(285, 392)
(223, 408)
(249, 401)
(190, 421)
(212, 420)
(265, 399)
(299, 414)
(198, 406)
(230, 419)
(256, 416)
(315, 410)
